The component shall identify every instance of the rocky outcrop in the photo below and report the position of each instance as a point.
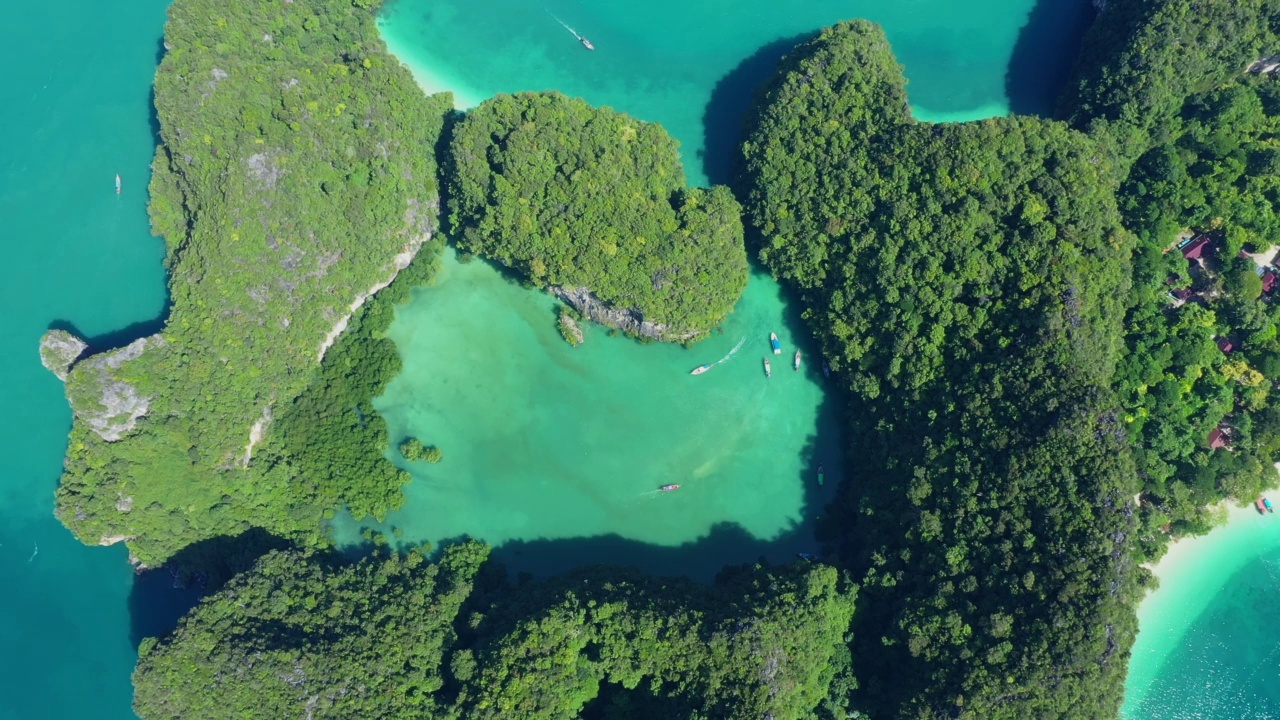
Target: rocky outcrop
(1100, 5)
(1265, 65)
(628, 321)
(570, 329)
(59, 350)
(106, 404)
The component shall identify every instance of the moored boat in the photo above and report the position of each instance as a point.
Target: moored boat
(797, 363)
(1261, 504)
(822, 475)
(775, 343)
(1267, 503)
(700, 369)
(767, 371)
(669, 488)
(826, 369)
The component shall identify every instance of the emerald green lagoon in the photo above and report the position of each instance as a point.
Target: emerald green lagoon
(556, 454)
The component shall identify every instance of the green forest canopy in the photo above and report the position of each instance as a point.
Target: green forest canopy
(968, 282)
(573, 196)
(290, 175)
(396, 637)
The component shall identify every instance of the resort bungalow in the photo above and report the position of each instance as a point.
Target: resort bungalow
(1268, 281)
(1195, 249)
(1224, 344)
(1217, 439)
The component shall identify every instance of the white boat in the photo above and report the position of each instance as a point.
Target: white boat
(700, 369)
(775, 343)
(767, 371)
(797, 360)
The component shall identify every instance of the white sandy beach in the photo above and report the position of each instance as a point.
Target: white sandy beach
(1191, 573)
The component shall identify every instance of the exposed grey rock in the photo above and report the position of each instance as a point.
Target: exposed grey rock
(264, 169)
(124, 504)
(59, 350)
(629, 321)
(1265, 65)
(108, 405)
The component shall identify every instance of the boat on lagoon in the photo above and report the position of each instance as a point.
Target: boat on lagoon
(797, 363)
(669, 488)
(768, 372)
(775, 343)
(701, 369)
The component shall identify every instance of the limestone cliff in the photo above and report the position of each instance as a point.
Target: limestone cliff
(59, 350)
(629, 321)
(101, 399)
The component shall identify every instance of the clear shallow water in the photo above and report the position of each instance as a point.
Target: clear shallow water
(549, 448)
(693, 65)
(74, 109)
(1207, 647)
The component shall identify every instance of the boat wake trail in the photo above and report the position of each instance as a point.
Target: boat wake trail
(566, 27)
(734, 351)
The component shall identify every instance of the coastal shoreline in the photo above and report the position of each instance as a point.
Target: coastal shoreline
(430, 80)
(1191, 574)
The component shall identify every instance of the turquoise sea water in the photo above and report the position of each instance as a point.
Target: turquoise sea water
(693, 65)
(74, 109)
(1206, 646)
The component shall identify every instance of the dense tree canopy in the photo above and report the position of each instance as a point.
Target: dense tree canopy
(574, 196)
(967, 281)
(1143, 58)
(298, 636)
(293, 175)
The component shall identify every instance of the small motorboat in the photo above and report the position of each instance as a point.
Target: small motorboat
(797, 363)
(805, 556)
(669, 488)
(822, 475)
(117, 183)
(826, 369)
(700, 369)
(1267, 503)
(1261, 504)
(767, 371)
(775, 343)
(586, 43)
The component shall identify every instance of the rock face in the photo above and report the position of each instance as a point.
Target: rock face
(59, 350)
(1265, 65)
(629, 321)
(108, 405)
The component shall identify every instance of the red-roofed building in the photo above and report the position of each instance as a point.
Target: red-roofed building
(1183, 294)
(1224, 344)
(1196, 248)
(1268, 281)
(1217, 439)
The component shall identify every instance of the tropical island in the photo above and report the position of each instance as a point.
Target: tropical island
(1054, 340)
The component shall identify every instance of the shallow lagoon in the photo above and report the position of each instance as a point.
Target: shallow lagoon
(558, 453)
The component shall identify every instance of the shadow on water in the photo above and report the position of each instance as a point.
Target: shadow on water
(731, 98)
(161, 596)
(116, 338)
(1045, 54)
